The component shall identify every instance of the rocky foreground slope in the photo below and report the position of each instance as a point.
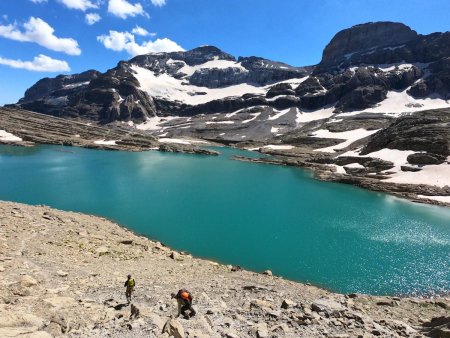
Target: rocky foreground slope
(62, 274)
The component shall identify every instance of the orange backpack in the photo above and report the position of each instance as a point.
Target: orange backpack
(185, 295)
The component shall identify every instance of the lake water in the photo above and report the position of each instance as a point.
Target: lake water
(258, 216)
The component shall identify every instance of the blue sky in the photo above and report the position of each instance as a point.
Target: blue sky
(44, 38)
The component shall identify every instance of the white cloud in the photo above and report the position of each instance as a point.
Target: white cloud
(140, 31)
(119, 41)
(40, 63)
(82, 5)
(158, 3)
(92, 18)
(40, 32)
(123, 9)
(38, 1)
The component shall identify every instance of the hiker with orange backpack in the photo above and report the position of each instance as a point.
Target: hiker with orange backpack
(184, 300)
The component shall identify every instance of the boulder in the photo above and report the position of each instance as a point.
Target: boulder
(363, 97)
(173, 328)
(425, 158)
(261, 330)
(280, 89)
(61, 302)
(329, 307)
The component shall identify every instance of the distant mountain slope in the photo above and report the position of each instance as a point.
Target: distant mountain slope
(169, 83)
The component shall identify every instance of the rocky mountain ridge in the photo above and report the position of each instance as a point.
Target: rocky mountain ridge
(359, 67)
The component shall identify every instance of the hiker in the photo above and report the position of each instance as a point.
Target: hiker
(184, 300)
(130, 283)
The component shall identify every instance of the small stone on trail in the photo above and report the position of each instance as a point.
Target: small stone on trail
(387, 303)
(126, 241)
(61, 273)
(28, 281)
(268, 273)
(102, 250)
(176, 256)
(287, 304)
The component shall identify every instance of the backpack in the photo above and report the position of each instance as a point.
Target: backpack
(186, 295)
(131, 283)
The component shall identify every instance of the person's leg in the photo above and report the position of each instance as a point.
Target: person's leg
(184, 308)
(128, 294)
(192, 311)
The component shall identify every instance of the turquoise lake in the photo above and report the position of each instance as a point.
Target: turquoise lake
(258, 216)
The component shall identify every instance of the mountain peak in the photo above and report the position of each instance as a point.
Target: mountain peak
(365, 37)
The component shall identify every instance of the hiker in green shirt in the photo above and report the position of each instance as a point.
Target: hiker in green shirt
(130, 283)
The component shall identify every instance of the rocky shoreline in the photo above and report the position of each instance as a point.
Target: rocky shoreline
(324, 172)
(34, 128)
(62, 274)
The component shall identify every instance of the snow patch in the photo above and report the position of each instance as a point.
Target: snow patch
(400, 102)
(386, 68)
(279, 147)
(75, 85)
(218, 64)
(173, 140)
(8, 137)
(445, 199)
(279, 114)
(349, 136)
(255, 115)
(397, 157)
(354, 165)
(106, 143)
(153, 123)
(219, 122)
(168, 87)
(304, 116)
(437, 175)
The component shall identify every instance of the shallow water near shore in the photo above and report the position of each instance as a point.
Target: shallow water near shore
(258, 216)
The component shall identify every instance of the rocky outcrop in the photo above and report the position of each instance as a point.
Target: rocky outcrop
(355, 89)
(113, 96)
(44, 129)
(438, 81)
(426, 131)
(88, 300)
